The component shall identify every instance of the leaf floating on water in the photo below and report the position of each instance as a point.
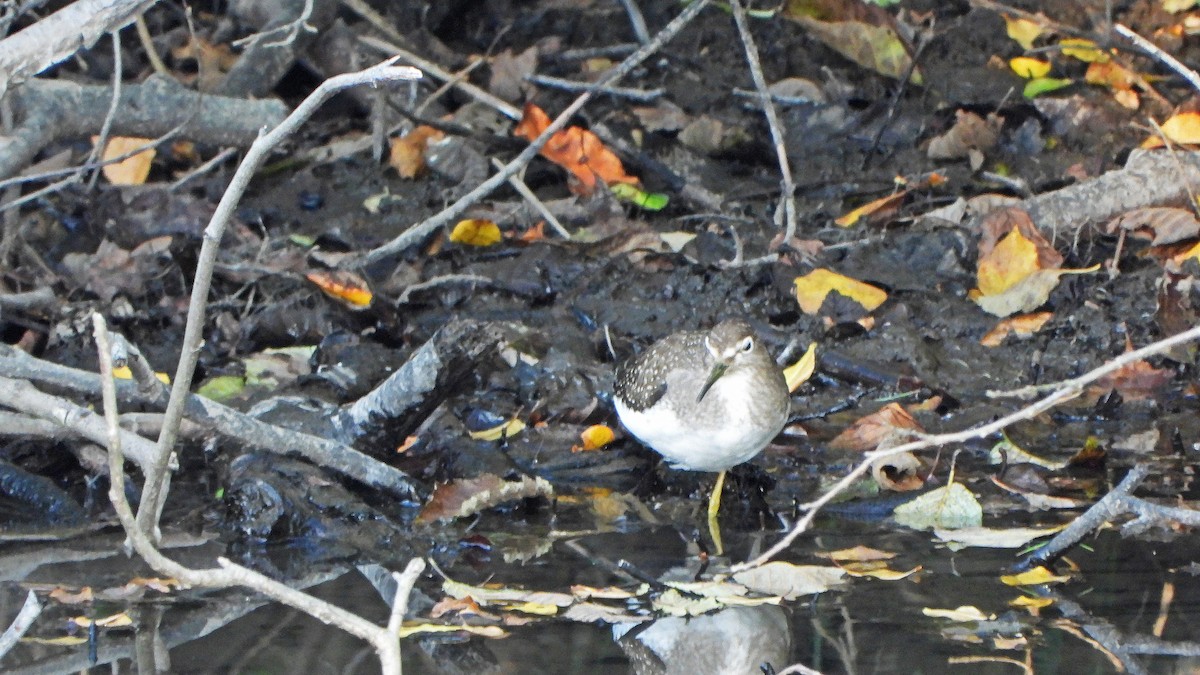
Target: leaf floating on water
(961, 614)
(949, 507)
(467, 497)
(791, 581)
(1034, 577)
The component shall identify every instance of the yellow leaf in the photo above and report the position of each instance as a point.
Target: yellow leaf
(1013, 259)
(799, 372)
(1028, 67)
(507, 430)
(878, 571)
(963, 613)
(118, 620)
(1183, 128)
(595, 437)
(1023, 31)
(1177, 6)
(1034, 577)
(870, 208)
(1026, 601)
(538, 608)
(122, 373)
(1084, 50)
(418, 628)
(1023, 326)
(343, 285)
(475, 232)
(1193, 252)
(812, 288)
(132, 170)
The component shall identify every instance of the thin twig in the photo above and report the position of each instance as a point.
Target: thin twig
(25, 618)
(106, 127)
(785, 215)
(1153, 50)
(205, 264)
(520, 186)
(404, 584)
(639, 95)
(143, 33)
(418, 232)
(636, 21)
(1065, 391)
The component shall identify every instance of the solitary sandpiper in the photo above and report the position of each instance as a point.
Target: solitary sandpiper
(704, 400)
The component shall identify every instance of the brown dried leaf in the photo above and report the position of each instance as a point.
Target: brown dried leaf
(509, 72)
(874, 430)
(970, 132)
(1161, 225)
(466, 497)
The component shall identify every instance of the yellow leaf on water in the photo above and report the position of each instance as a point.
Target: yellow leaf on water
(476, 232)
(1034, 577)
(507, 430)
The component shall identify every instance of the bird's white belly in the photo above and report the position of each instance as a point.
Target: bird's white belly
(699, 439)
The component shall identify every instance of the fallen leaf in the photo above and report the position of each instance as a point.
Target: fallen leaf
(879, 429)
(476, 232)
(594, 437)
(961, 614)
(987, 537)
(132, 170)
(1023, 326)
(507, 429)
(1034, 577)
(1160, 224)
(407, 154)
(878, 207)
(469, 496)
(1044, 85)
(799, 372)
(1028, 67)
(859, 553)
(66, 597)
(577, 150)
(790, 581)
(878, 570)
(1023, 31)
(1182, 128)
(950, 507)
(812, 288)
(863, 33)
(509, 73)
(343, 285)
(1082, 50)
(969, 133)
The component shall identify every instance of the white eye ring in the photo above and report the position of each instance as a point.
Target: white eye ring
(747, 345)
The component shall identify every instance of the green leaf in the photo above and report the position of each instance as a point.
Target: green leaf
(222, 387)
(651, 201)
(1043, 85)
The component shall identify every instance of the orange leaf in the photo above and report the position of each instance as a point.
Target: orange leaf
(594, 437)
(1023, 326)
(886, 205)
(132, 170)
(577, 150)
(348, 287)
(407, 156)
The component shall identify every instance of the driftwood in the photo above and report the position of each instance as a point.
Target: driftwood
(55, 109)
(55, 38)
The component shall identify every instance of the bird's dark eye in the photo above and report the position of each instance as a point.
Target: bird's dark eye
(747, 344)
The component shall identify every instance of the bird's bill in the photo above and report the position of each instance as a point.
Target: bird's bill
(718, 370)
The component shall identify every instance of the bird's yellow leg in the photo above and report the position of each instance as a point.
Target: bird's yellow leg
(714, 505)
